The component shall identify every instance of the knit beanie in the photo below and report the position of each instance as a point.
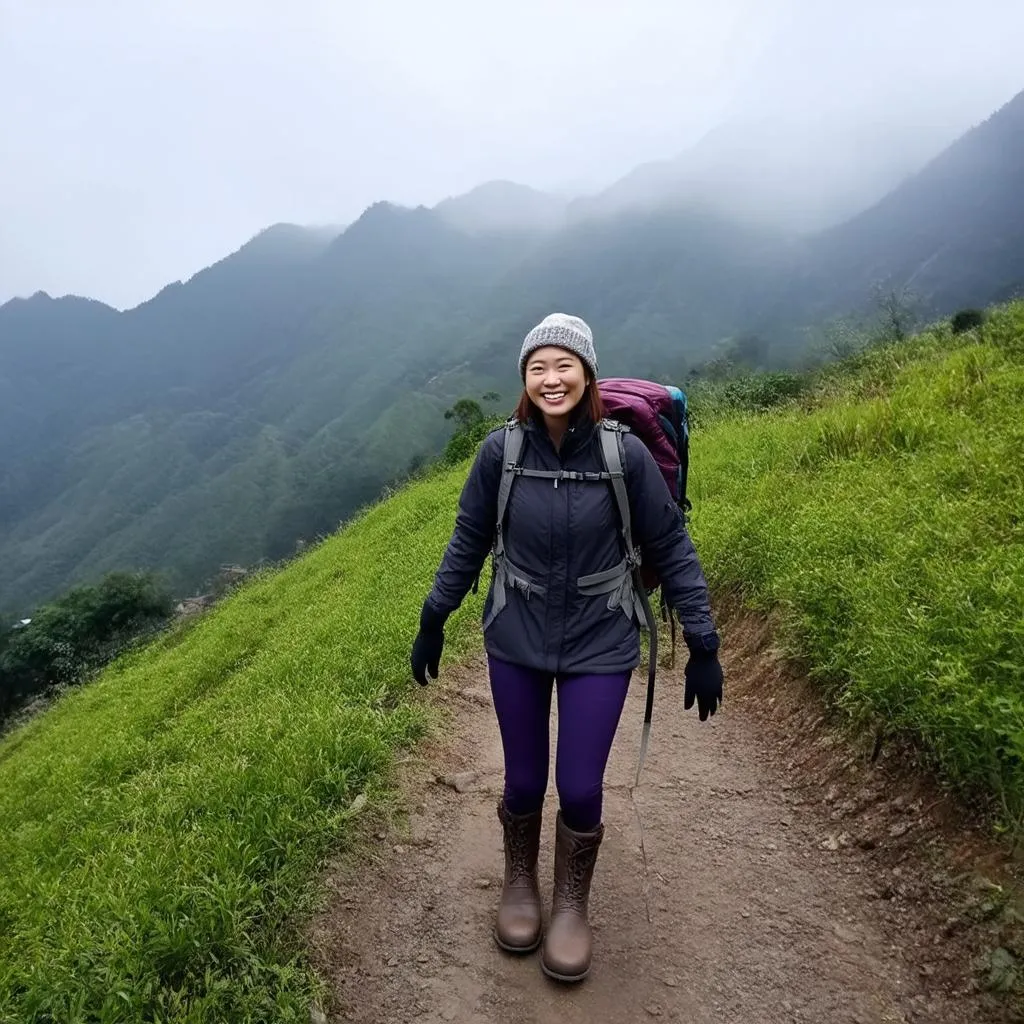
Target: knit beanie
(565, 331)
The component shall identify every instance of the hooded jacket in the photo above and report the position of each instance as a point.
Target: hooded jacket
(555, 535)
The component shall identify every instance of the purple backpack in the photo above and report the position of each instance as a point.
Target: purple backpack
(659, 416)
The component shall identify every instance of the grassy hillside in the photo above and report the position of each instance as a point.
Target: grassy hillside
(162, 824)
(162, 827)
(882, 519)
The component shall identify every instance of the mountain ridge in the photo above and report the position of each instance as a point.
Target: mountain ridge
(273, 393)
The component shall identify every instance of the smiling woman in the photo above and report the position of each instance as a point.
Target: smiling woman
(561, 617)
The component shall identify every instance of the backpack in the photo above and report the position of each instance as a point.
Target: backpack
(658, 415)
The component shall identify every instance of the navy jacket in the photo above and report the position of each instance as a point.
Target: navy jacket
(556, 535)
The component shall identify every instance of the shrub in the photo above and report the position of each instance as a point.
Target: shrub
(764, 390)
(74, 635)
(967, 319)
(463, 444)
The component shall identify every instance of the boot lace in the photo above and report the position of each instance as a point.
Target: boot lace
(518, 839)
(579, 864)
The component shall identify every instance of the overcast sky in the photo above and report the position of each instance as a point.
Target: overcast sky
(141, 140)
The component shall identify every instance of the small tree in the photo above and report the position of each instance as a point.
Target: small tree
(842, 338)
(466, 413)
(898, 311)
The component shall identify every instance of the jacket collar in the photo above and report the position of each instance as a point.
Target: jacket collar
(578, 434)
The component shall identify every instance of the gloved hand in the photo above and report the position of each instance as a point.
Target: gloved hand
(703, 675)
(428, 645)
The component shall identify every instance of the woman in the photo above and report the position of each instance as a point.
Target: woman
(540, 630)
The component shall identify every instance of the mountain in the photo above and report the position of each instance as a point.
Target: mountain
(952, 235)
(658, 288)
(503, 206)
(787, 173)
(260, 402)
(55, 356)
(273, 394)
(187, 800)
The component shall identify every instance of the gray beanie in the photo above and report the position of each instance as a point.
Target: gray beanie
(564, 331)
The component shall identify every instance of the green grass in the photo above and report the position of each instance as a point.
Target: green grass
(161, 826)
(881, 518)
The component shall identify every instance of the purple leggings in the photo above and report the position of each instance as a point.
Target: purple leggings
(589, 708)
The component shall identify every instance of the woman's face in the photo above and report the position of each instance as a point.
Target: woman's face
(555, 381)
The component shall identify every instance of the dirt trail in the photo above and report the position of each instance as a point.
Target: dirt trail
(748, 908)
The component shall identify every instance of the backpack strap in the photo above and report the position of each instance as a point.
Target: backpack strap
(614, 460)
(505, 574)
(512, 449)
(510, 462)
(611, 449)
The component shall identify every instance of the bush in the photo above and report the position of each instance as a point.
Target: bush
(463, 444)
(73, 636)
(967, 319)
(764, 390)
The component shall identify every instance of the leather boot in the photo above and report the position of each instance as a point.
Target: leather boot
(518, 928)
(567, 944)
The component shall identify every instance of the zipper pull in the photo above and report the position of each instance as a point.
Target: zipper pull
(556, 483)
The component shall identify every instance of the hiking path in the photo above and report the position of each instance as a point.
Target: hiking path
(734, 884)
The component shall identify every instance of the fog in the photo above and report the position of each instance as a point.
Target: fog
(143, 141)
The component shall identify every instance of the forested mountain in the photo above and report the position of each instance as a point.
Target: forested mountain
(256, 404)
(503, 206)
(952, 235)
(785, 172)
(274, 393)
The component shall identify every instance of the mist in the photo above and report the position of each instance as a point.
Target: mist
(144, 142)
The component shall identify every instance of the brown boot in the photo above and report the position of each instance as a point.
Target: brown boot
(518, 928)
(567, 944)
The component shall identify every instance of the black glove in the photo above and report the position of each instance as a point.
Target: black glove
(428, 645)
(703, 675)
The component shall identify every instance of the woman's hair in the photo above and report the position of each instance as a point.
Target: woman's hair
(591, 405)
